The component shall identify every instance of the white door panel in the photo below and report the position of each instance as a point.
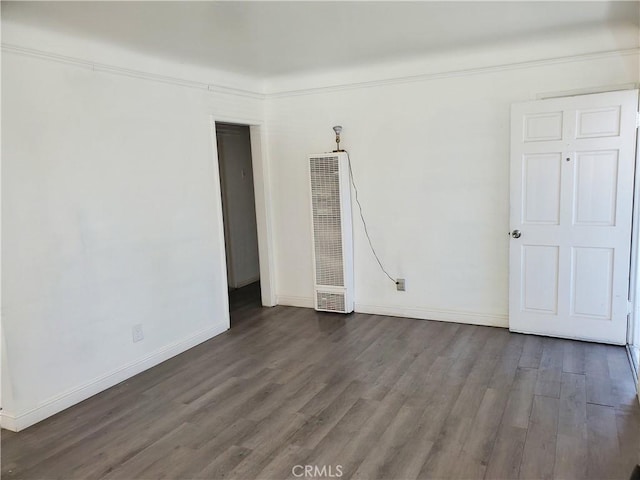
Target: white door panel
(540, 278)
(572, 170)
(541, 171)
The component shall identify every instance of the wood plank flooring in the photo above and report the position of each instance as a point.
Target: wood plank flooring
(380, 397)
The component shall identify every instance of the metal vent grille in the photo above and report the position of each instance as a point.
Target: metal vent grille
(327, 230)
(333, 302)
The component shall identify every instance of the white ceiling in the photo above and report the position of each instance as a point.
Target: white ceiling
(275, 38)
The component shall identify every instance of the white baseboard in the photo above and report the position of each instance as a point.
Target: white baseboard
(473, 318)
(47, 408)
(8, 422)
(457, 316)
(293, 301)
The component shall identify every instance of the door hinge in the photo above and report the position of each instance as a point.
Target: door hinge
(629, 307)
(637, 119)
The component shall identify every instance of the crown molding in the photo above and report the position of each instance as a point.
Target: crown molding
(113, 69)
(216, 88)
(453, 73)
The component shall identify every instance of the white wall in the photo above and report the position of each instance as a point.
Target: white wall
(236, 174)
(111, 217)
(430, 156)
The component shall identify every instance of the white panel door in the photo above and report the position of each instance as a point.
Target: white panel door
(572, 171)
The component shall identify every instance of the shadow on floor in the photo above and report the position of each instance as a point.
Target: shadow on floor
(244, 298)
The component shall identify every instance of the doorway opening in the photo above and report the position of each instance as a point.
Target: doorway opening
(634, 346)
(633, 334)
(239, 216)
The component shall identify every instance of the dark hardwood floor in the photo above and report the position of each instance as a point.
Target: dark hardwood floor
(378, 397)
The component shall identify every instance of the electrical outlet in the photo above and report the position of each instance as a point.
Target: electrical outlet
(136, 333)
(400, 284)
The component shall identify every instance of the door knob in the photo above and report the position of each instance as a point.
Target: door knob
(516, 234)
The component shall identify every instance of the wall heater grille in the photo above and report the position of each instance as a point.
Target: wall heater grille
(327, 231)
(332, 232)
(331, 302)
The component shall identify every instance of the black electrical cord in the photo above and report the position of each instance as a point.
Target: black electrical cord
(364, 223)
